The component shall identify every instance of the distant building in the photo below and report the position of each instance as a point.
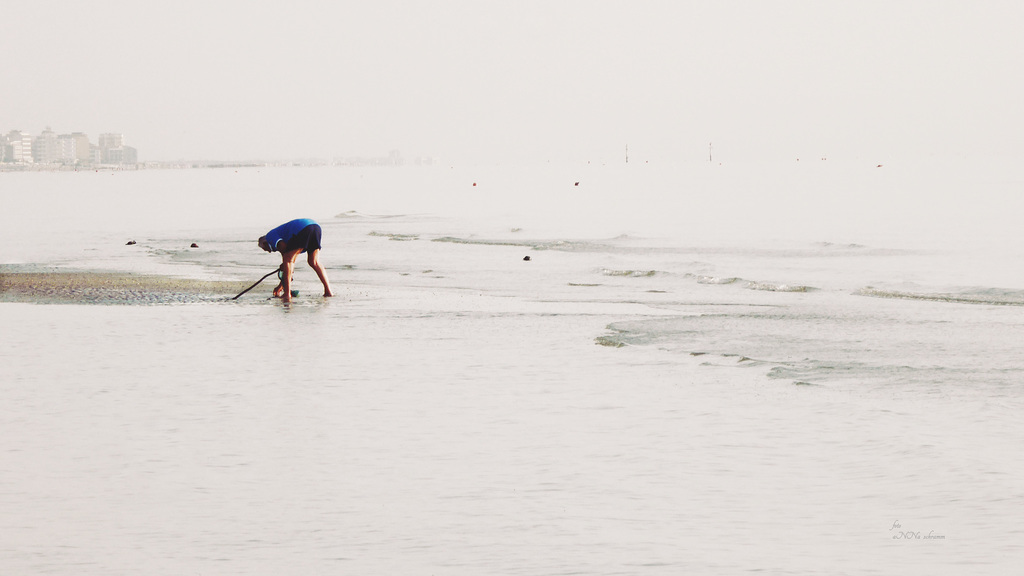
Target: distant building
(20, 147)
(45, 147)
(67, 149)
(74, 149)
(394, 158)
(110, 140)
(113, 150)
(110, 148)
(82, 148)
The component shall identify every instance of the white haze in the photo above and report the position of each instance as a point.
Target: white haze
(503, 82)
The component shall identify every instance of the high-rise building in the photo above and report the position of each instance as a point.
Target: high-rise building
(111, 148)
(111, 140)
(82, 145)
(45, 148)
(130, 155)
(21, 146)
(67, 149)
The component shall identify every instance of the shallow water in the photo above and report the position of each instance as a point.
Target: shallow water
(755, 406)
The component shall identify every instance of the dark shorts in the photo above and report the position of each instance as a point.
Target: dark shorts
(308, 239)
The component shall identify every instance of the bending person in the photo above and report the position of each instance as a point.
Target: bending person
(291, 239)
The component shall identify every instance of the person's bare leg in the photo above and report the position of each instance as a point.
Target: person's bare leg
(314, 263)
(288, 273)
(286, 281)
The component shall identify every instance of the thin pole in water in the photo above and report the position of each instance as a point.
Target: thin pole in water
(256, 284)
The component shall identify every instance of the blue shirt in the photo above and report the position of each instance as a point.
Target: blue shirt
(287, 231)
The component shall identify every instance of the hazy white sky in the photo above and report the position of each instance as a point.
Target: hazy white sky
(479, 80)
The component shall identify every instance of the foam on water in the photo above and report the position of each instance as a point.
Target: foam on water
(988, 296)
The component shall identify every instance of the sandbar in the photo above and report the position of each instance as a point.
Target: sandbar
(55, 286)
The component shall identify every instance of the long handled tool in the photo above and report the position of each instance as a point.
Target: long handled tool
(256, 284)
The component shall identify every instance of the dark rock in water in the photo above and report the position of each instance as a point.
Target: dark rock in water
(576, 184)
(130, 243)
(526, 258)
(194, 245)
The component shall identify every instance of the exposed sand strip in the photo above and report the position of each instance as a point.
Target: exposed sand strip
(79, 287)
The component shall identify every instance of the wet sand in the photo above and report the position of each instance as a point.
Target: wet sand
(86, 287)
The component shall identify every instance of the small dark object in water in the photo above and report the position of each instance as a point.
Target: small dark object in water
(130, 243)
(194, 245)
(576, 184)
(526, 258)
